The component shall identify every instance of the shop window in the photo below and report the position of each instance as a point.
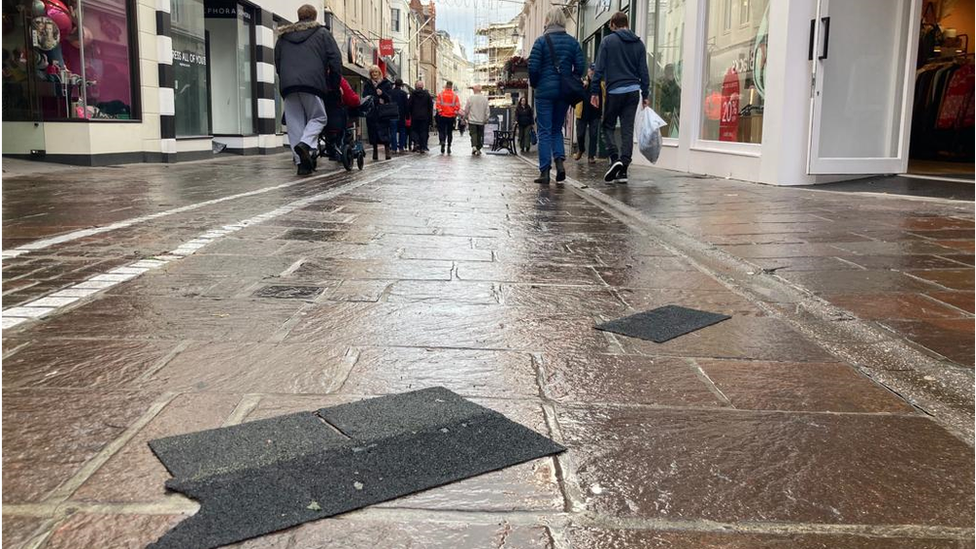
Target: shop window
(231, 36)
(734, 75)
(68, 60)
(665, 26)
(191, 99)
(745, 12)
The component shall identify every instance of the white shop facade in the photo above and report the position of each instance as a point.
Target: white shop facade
(799, 92)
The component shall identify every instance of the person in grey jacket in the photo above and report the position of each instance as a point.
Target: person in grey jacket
(476, 112)
(308, 63)
(622, 65)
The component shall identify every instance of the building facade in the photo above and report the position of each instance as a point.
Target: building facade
(97, 82)
(799, 92)
(496, 44)
(453, 65)
(426, 41)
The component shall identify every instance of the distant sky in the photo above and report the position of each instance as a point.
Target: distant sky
(461, 17)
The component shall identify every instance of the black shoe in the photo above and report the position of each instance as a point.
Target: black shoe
(560, 170)
(543, 178)
(621, 177)
(442, 148)
(304, 153)
(448, 149)
(616, 167)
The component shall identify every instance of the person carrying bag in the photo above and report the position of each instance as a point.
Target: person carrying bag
(558, 85)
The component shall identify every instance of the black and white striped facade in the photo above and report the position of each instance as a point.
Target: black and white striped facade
(264, 41)
(266, 140)
(167, 108)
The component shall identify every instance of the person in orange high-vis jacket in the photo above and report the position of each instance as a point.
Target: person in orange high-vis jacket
(447, 106)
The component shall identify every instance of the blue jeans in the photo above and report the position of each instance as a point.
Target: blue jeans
(394, 135)
(403, 143)
(550, 115)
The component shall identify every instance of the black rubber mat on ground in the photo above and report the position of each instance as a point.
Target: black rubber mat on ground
(662, 324)
(264, 476)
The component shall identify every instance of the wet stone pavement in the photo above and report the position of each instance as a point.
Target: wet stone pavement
(793, 424)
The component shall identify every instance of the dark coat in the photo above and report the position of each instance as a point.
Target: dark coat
(622, 61)
(420, 106)
(378, 130)
(524, 116)
(542, 75)
(307, 59)
(400, 98)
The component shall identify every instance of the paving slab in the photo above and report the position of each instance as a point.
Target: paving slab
(48, 436)
(769, 466)
(592, 538)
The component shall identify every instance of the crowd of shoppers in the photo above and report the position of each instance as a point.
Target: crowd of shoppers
(606, 93)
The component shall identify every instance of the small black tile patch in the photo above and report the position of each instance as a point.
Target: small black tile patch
(289, 292)
(313, 235)
(260, 477)
(662, 324)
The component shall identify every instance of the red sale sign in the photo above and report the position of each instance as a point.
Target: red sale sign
(386, 47)
(729, 121)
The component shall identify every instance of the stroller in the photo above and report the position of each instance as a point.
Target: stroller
(338, 140)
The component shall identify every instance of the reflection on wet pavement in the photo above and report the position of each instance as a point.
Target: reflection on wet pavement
(749, 433)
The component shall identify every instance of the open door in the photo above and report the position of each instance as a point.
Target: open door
(863, 56)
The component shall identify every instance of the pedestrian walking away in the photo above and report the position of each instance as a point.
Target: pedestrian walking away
(309, 63)
(587, 124)
(476, 113)
(421, 109)
(377, 126)
(622, 66)
(398, 127)
(448, 106)
(555, 48)
(524, 122)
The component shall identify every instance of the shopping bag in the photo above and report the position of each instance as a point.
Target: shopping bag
(533, 137)
(649, 125)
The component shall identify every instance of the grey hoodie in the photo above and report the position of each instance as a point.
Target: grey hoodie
(307, 59)
(622, 61)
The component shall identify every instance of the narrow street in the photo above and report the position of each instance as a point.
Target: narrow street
(834, 409)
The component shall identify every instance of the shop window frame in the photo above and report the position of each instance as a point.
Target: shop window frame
(639, 20)
(135, 76)
(698, 143)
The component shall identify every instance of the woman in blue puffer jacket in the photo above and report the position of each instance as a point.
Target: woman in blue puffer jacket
(550, 107)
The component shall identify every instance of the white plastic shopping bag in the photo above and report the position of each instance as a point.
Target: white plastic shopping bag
(649, 126)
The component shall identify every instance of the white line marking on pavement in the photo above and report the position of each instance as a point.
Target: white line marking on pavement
(67, 237)
(54, 303)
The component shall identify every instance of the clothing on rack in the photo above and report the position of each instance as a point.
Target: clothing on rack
(943, 108)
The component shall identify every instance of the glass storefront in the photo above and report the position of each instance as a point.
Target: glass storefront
(190, 69)
(67, 59)
(734, 70)
(663, 37)
(231, 34)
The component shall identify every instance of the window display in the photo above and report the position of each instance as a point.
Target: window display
(65, 59)
(735, 70)
(664, 34)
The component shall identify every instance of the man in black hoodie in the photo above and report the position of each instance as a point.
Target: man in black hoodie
(420, 107)
(622, 64)
(308, 63)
